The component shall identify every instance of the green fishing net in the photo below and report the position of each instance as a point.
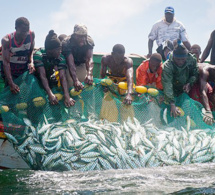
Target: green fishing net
(100, 132)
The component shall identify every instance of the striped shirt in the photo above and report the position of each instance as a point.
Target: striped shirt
(50, 65)
(19, 54)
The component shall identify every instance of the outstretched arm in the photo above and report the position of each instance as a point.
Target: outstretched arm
(208, 116)
(72, 70)
(67, 100)
(6, 65)
(52, 98)
(89, 67)
(208, 48)
(187, 45)
(129, 78)
(103, 67)
(31, 61)
(150, 46)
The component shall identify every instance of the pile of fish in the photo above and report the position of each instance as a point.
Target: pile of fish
(100, 145)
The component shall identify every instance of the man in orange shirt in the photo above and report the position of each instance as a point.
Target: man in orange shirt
(149, 72)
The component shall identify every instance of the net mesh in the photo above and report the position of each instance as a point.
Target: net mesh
(100, 132)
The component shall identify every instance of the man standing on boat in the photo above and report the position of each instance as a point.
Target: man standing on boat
(167, 29)
(210, 47)
(17, 53)
(120, 69)
(47, 62)
(78, 51)
(179, 74)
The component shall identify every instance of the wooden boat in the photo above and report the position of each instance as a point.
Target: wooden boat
(9, 158)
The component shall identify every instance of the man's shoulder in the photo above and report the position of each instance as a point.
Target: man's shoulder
(167, 65)
(213, 34)
(106, 58)
(158, 23)
(192, 58)
(128, 60)
(66, 41)
(144, 65)
(39, 53)
(32, 34)
(62, 59)
(90, 41)
(5, 40)
(177, 22)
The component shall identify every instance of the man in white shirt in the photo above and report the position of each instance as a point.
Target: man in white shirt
(167, 28)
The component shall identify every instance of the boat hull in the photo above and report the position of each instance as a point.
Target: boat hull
(9, 158)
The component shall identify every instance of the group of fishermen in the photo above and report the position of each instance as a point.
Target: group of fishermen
(175, 68)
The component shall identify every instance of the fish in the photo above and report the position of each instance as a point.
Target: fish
(165, 116)
(188, 123)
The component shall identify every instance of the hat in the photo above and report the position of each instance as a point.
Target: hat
(52, 41)
(169, 10)
(80, 29)
(180, 51)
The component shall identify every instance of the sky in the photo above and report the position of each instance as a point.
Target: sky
(109, 22)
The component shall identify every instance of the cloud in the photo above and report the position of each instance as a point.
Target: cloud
(210, 12)
(102, 17)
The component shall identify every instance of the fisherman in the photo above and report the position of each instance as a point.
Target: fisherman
(196, 50)
(78, 51)
(210, 47)
(179, 74)
(203, 92)
(149, 72)
(120, 69)
(167, 28)
(17, 53)
(47, 62)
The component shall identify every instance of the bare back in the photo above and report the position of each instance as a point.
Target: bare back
(206, 72)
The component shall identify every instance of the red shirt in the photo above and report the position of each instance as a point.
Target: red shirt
(145, 77)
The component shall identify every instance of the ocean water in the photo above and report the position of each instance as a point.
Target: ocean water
(189, 179)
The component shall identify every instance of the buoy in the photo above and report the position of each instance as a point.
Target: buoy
(153, 92)
(21, 106)
(140, 89)
(75, 93)
(39, 101)
(106, 82)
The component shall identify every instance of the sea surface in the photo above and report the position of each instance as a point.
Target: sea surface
(189, 179)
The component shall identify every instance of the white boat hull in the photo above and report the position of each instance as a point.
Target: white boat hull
(9, 158)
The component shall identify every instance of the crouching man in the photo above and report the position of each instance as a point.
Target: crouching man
(49, 60)
(120, 69)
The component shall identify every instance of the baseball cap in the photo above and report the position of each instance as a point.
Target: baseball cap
(169, 10)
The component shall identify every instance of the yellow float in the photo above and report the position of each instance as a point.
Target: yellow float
(106, 82)
(21, 106)
(124, 85)
(140, 89)
(181, 111)
(75, 93)
(153, 92)
(39, 101)
(4, 109)
(59, 96)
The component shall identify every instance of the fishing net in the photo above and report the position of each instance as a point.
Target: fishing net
(100, 132)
